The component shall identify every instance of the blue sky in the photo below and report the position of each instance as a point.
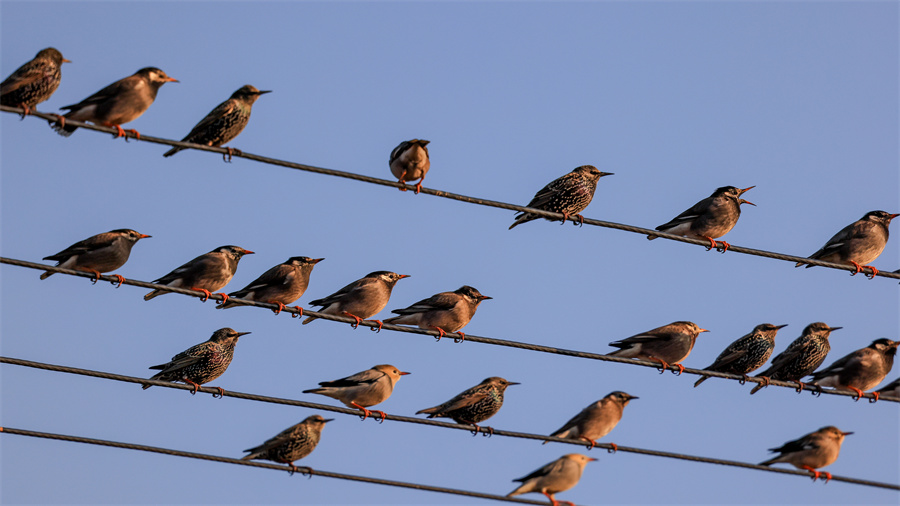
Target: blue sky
(677, 98)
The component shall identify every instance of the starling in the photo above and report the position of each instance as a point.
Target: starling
(567, 195)
(120, 102)
(33, 82)
(444, 312)
(280, 285)
(596, 420)
(201, 363)
(410, 161)
(360, 299)
(858, 243)
(474, 405)
(555, 477)
(892, 388)
(861, 370)
(206, 273)
(99, 253)
(801, 357)
(225, 122)
(363, 389)
(747, 354)
(668, 345)
(293, 443)
(710, 218)
(812, 451)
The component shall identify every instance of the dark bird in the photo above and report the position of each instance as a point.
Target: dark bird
(668, 345)
(555, 477)
(474, 405)
(861, 370)
(444, 312)
(363, 389)
(596, 420)
(361, 299)
(225, 122)
(280, 285)
(812, 451)
(567, 195)
(120, 102)
(857, 244)
(410, 161)
(99, 253)
(293, 443)
(33, 82)
(710, 218)
(892, 388)
(747, 354)
(206, 273)
(801, 357)
(201, 363)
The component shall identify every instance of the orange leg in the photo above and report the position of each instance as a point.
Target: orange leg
(206, 293)
(381, 414)
(220, 394)
(724, 246)
(712, 243)
(61, 120)
(280, 306)
(403, 181)
(295, 315)
(816, 473)
(580, 220)
(858, 268)
(765, 379)
(614, 448)
(800, 385)
(665, 365)
(224, 297)
(119, 131)
(96, 274)
(25, 110)
(358, 319)
(565, 218)
(874, 272)
(440, 331)
(365, 411)
(859, 393)
(591, 441)
(195, 385)
(137, 135)
(461, 338)
(875, 399)
(120, 280)
(380, 324)
(553, 500)
(419, 185)
(228, 155)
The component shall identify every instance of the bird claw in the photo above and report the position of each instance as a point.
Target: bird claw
(220, 394)
(461, 338)
(96, 276)
(229, 152)
(119, 280)
(800, 386)
(873, 274)
(206, 294)
(357, 318)
(613, 448)
(591, 442)
(194, 386)
(723, 248)
(419, 186)
(580, 220)
(875, 398)
(277, 310)
(382, 416)
(295, 315)
(680, 369)
(743, 379)
(440, 333)
(380, 324)
(61, 120)
(120, 132)
(137, 135)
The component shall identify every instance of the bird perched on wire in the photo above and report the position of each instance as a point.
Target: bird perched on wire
(747, 354)
(291, 444)
(861, 370)
(812, 451)
(201, 363)
(892, 388)
(120, 102)
(410, 161)
(555, 477)
(280, 285)
(33, 82)
(596, 420)
(360, 299)
(444, 312)
(99, 253)
(857, 244)
(363, 389)
(668, 345)
(710, 218)
(225, 122)
(801, 357)
(474, 405)
(206, 273)
(567, 195)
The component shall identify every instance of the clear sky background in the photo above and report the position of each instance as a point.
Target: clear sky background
(676, 98)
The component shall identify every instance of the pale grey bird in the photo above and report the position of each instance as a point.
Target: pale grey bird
(444, 312)
(473, 405)
(555, 477)
(33, 82)
(410, 161)
(747, 354)
(99, 253)
(596, 420)
(282, 284)
(710, 218)
(861, 370)
(206, 273)
(668, 345)
(812, 451)
(802, 356)
(568, 195)
(360, 299)
(363, 389)
(857, 244)
(892, 388)
(293, 443)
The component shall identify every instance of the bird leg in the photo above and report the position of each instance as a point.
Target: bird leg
(295, 315)
(441, 333)
(724, 246)
(229, 153)
(712, 243)
(220, 394)
(120, 132)
(25, 111)
(280, 306)
(591, 441)
(358, 319)
(96, 274)
(744, 379)
(380, 324)
(403, 181)
(580, 220)
(553, 500)
(874, 272)
(875, 399)
(61, 120)
(381, 414)
(765, 382)
(614, 448)
(800, 385)
(137, 135)
(195, 385)
(206, 294)
(119, 278)
(365, 411)
(565, 218)
(461, 338)
(859, 393)
(419, 185)
(293, 470)
(816, 473)
(664, 364)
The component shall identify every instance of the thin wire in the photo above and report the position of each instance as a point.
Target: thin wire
(448, 195)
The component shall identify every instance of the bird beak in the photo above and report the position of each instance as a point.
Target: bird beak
(242, 333)
(779, 327)
(745, 201)
(703, 330)
(846, 433)
(317, 260)
(247, 252)
(631, 397)
(484, 297)
(328, 420)
(511, 383)
(66, 60)
(403, 276)
(145, 236)
(747, 189)
(591, 459)
(891, 217)
(172, 80)
(832, 329)
(263, 92)
(404, 373)
(607, 174)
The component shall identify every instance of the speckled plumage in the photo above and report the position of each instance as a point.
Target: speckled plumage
(410, 161)
(201, 363)
(748, 353)
(859, 243)
(282, 284)
(553, 478)
(861, 370)
(597, 419)
(446, 311)
(362, 298)
(812, 451)
(568, 195)
(669, 344)
(33, 82)
(474, 405)
(99, 253)
(801, 357)
(291, 444)
(210, 271)
(710, 218)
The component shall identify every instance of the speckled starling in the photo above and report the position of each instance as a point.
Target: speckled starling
(201, 363)
(596, 420)
(99, 253)
(360, 299)
(206, 273)
(474, 405)
(555, 477)
(747, 354)
(892, 388)
(858, 243)
(801, 357)
(812, 451)
(861, 370)
(410, 161)
(363, 389)
(668, 345)
(293, 443)
(444, 312)
(567, 195)
(280, 285)
(710, 218)
(33, 82)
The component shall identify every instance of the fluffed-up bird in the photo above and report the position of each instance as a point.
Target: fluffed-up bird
(555, 477)
(596, 420)
(473, 405)
(567, 195)
(747, 354)
(812, 451)
(710, 218)
(363, 389)
(361, 299)
(410, 161)
(99, 253)
(33, 82)
(668, 345)
(201, 363)
(281, 284)
(800, 358)
(445, 312)
(892, 388)
(857, 244)
(206, 273)
(291, 444)
(861, 370)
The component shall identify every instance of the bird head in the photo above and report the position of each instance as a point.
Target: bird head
(226, 334)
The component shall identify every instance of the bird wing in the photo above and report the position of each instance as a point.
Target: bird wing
(213, 119)
(840, 364)
(186, 358)
(276, 441)
(278, 275)
(361, 378)
(462, 400)
(851, 231)
(806, 442)
(198, 264)
(729, 356)
(27, 74)
(689, 215)
(93, 243)
(340, 294)
(645, 337)
(546, 194)
(445, 300)
(112, 90)
(399, 150)
(548, 468)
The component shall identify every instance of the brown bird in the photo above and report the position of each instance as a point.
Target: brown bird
(857, 244)
(596, 420)
(293, 443)
(363, 389)
(410, 161)
(99, 253)
(33, 82)
(555, 477)
(668, 345)
(812, 451)
(861, 370)
(444, 312)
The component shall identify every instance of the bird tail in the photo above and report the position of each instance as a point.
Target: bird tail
(701, 380)
(431, 412)
(250, 456)
(520, 219)
(172, 152)
(770, 461)
(311, 318)
(757, 388)
(314, 391)
(47, 274)
(524, 488)
(651, 237)
(154, 293)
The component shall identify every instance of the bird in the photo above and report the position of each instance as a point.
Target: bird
(861, 370)
(201, 363)
(892, 388)
(99, 253)
(444, 312)
(120, 102)
(409, 161)
(363, 389)
(360, 299)
(567, 195)
(668, 345)
(800, 358)
(473, 405)
(555, 477)
(857, 244)
(225, 122)
(206, 273)
(596, 420)
(279, 285)
(293, 443)
(33, 82)
(812, 451)
(747, 354)
(710, 218)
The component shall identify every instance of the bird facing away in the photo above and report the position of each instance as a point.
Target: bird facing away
(280, 285)
(668, 345)
(567, 195)
(892, 388)
(747, 354)
(596, 420)
(201, 363)
(99, 253)
(474, 405)
(361, 299)
(410, 161)
(710, 218)
(861, 370)
(33, 82)
(293, 443)
(444, 312)
(206, 273)
(857, 244)
(812, 451)
(555, 477)
(801, 357)
(363, 389)
(225, 122)
(120, 102)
